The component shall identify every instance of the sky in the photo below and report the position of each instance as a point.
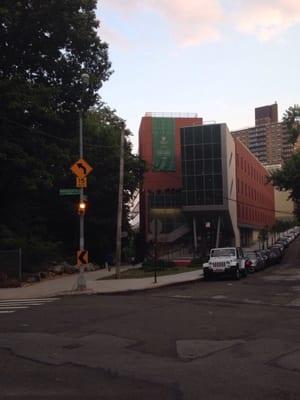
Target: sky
(217, 58)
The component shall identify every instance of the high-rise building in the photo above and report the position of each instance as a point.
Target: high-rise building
(268, 140)
(266, 114)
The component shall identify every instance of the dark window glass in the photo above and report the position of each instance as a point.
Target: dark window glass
(198, 136)
(218, 181)
(198, 167)
(207, 136)
(189, 152)
(191, 197)
(215, 135)
(216, 151)
(189, 136)
(209, 197)
(200, 197)
(208, 182)
(208, 166)
(189, 168)
(207, 151)
(183, 166)
(198, 151)
(218, 197)
(199, 182)
(190, 183)
(217, 166)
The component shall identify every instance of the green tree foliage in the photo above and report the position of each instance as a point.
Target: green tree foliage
(288, 179)
(291, 119)
(45, 47)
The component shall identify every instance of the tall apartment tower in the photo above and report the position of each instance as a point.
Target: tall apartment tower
(268, 140)
(266, 114)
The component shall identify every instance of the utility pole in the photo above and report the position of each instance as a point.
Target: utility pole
(81, 281)
(155, 249)
(120, 207)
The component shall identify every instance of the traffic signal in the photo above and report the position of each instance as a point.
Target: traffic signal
(81, 208)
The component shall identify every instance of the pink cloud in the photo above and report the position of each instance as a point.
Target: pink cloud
(267, 18)
(111, 36)
(196, 21)
(191, 21)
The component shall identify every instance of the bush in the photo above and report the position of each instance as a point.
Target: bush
(149, 265)
(198, 261)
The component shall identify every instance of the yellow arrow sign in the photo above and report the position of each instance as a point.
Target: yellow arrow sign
(82, 257)
(81, 168)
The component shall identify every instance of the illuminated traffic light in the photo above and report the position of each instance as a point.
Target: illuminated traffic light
(81, 208)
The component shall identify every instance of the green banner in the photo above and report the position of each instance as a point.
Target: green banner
(163, 134)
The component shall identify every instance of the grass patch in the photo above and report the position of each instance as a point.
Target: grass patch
(141, 273)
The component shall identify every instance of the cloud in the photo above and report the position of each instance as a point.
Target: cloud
(111, 36)
(193, 22)
(267, 18)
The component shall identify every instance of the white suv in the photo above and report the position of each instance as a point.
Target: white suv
(228, 260)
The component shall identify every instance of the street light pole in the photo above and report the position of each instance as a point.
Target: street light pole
(120, 207)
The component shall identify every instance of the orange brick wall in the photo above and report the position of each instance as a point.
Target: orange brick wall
(255, 198)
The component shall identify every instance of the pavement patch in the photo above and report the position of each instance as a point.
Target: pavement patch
(188, 350)
(290, 361)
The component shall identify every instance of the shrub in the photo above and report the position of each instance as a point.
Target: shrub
(198, 261)
(149, 265)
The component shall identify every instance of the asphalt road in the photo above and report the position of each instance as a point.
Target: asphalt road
(213, 340)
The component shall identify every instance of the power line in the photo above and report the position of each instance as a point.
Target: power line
(43, 133)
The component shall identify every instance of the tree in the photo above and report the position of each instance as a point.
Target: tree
(45, 47)
(288, 179)
(291, 119)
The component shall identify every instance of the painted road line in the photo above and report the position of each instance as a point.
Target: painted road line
(11, 307)
(37, 303)
(6, 312)
(46, 299)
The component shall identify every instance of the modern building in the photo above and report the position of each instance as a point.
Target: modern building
(268, 140)
(160, 147)
(213, 193)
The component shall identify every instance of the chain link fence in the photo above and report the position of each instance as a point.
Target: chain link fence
(10, 265)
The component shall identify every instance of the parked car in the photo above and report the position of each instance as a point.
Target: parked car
(254, 261)
(225, 260)
(265, 254)
(284, 241)
(275, 254)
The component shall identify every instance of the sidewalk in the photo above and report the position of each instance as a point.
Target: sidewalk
(66, 285)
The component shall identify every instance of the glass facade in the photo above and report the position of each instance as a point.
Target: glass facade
(166, 205)
(202, 165)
